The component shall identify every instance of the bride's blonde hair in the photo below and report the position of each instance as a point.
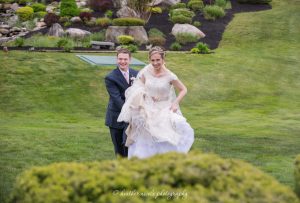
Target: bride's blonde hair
(157, 50)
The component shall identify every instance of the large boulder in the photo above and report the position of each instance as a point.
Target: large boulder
(77, 33)
(187, 28)
(165, 2)
(137, 32)
(120, 3)
(126, 12)
(56, 30)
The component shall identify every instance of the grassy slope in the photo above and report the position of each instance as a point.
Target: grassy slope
(243, 101)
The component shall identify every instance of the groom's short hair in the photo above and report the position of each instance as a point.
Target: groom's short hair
(123, 51)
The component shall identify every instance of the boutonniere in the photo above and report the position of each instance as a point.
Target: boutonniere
(132, 79)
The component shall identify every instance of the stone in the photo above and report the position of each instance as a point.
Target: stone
(14, 7)
(76, 19)
(166, 2)
(187, 28)
(125, 12)
(40, 24)
(4, 26)
(56, 30)
(6, 6)
(15, 29)
(4, 31)
(137, 32)
(120, 3)
(50, 9)
(4, 39)
(77, 33)
(12, 21)
(104, 45)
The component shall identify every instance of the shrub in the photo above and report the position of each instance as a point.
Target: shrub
(64, 19)
(98, 36)
(297, 175)
(100, 5)
(19, 42)
(255, 1)
(195, 5)
(62, 42)
(103, 22)
(155, 9)
(209, 2)
(131, 47)
(213, 12)
(175, 46)
(125, 39)
(221, 3)
(85, 16)
(195, 50)
(178, 5)
(154, 32)
(25, 13)
(40, 14)
(128, 22)
(38, 7)
(24, 2)
(68, 8)
(181, 16)
(197, 23)
(181, 19)
(108, 14)
(195, 177)
(50, 19)
(203, 48)
(157, 40)
(90, 23)
(185, 37)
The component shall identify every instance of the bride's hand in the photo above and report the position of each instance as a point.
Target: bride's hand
(174, 107)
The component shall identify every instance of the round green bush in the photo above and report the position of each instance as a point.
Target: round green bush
(182, 11)
(297, 175)
(213, 12)
(40, 14)
(197, 23)
(181, 19)
(25, 13)
(171, 177)
(195, 5)
(103, 22)
(69, 8)
(195, 50)
(175, 46)
(178, 5)
(255, 1)
(155, 9)
(125, 39)
(202, 47)
(128, 22)
(157, 41)
(38, 7)
(131, 47)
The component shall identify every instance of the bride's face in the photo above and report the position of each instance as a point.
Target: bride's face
(156, 61)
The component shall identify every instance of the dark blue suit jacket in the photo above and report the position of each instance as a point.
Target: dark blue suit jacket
(116, 86)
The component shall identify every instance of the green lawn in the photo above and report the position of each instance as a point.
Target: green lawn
(243, 101)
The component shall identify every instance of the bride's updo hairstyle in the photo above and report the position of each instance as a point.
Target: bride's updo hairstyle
(157, 50)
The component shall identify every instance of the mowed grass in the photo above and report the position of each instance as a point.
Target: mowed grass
(243, 101)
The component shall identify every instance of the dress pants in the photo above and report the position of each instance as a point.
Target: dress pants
(118, 138)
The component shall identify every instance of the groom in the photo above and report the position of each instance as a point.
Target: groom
(117, 81)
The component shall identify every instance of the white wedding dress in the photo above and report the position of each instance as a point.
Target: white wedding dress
(153, 127)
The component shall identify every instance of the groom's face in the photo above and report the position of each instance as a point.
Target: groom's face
(123, 61)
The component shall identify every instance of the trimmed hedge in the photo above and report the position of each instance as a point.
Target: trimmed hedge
(297, 175)
(128, 22)
(170, 177)
(255, 1)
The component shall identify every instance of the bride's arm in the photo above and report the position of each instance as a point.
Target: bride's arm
(182, 92)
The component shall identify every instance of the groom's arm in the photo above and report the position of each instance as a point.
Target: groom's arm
(114, 93)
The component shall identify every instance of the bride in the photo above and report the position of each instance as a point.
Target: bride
(156, 124)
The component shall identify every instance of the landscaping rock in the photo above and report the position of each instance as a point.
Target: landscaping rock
(120, 3)
(77, 33)
(187, 28)
(14, 7)
(76, 19)
(125, 12)
(56, 30)
(12, 21)
(4, 31)
(166, 2)
(4, 26)
(137, 32)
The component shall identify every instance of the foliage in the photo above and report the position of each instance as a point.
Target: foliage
(100, 5)
(155, 9)
(157, 40)
(108, 14)
(181, 19)
(103, 22)
(25, 13)
(209, 2)
(24, 2)
(297, 175)
(178, 5)
(213, 12)
(38, 7)
(203, 48)
(181, 15)
(128, 22)
(154, 32)
(255, 1)
(131, 47)
(69, 8)
(175, 46)
(185, 37)
(195, 5)
(195, 50)
(197, 23)
(19, 42)
(221, 3)
(141, 7)
(202, 177)
(85, 16)
(50, 19)
(98, 36)
(40, 14)
(125, 39)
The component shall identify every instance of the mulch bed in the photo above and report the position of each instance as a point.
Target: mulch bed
(212, 29)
